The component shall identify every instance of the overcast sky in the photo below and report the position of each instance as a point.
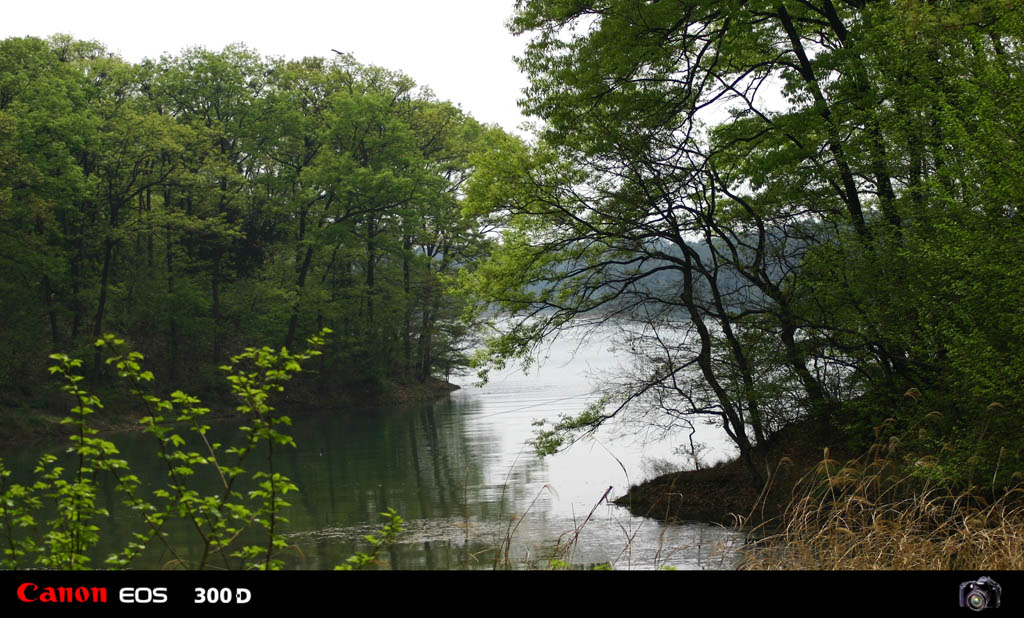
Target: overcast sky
(459, 48)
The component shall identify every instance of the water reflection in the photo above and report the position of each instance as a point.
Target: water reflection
(474, 495)
(460, 472)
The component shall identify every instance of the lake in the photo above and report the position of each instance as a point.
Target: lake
(462, 475)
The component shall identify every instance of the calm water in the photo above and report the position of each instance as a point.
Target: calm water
(462, 476)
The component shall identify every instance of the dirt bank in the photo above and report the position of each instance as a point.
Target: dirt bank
(727, 493)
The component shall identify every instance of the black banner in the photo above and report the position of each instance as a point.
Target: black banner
(28, 592)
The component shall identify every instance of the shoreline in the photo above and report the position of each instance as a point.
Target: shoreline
(25, 426)
(725, 493)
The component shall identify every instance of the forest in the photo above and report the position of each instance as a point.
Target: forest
(794, 213)
(208, 201)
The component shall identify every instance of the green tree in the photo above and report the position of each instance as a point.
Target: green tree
(213, 197)
(374, 177)
(215, 95)
(43, 121)
(775, 197)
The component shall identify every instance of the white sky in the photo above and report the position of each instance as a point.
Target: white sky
(459, 48)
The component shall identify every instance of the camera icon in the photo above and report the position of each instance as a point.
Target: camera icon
(979, 594)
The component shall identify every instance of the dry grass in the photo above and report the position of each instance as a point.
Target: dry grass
(875, 513)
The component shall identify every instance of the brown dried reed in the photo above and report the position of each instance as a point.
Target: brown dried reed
(875, 512)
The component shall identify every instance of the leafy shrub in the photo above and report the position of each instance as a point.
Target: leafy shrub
(244, 499)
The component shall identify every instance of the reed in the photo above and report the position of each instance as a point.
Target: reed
(884, 510)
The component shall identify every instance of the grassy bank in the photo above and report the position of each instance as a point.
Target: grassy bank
(888, 508)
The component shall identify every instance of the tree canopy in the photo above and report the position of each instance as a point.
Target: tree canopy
(792, 209)
(214, 199)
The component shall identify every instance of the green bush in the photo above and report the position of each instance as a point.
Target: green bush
(246, 499)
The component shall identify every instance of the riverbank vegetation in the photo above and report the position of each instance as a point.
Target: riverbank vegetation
(801, 216)
(70, 493)
(887, 510)
(794, 212)
(209, 200)
(888, 507)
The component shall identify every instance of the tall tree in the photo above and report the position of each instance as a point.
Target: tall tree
(756, 183)
(213, 198)
(215, 94)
